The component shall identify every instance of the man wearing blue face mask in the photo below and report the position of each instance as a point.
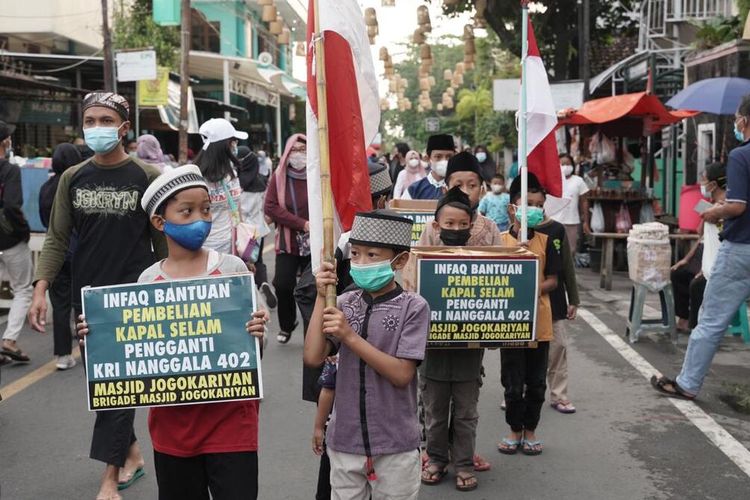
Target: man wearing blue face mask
(99, 200)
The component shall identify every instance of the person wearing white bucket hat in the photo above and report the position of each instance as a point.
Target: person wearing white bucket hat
(218, 163)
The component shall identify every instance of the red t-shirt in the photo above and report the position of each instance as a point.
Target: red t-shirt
(190, 430)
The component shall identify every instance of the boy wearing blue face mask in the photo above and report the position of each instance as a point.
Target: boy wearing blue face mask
(200, 447)
(524, 371)
(380, 333)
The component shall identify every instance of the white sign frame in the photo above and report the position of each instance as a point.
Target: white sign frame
(136, 65)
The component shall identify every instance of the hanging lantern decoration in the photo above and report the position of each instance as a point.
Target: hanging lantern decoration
(469, 47)
(468, 58)
(269, 13)
(426, 66)
(447, 75)
(425, 52)
(439, 107)
(459, 67)
(383, 53)
(479, 19)
(418, 37)
(389, 71)
(423, 15)
(371, 20)
(384, 105)
(263, 3)
(450, 3)
(301, 51)
(403, 84)
(424, 84)
(448, 104)
(277, 26)
(420, 109)
(432, 81)
(468, 32)
(388, 3)
(392, 87)
(470, 65)
(450, 91)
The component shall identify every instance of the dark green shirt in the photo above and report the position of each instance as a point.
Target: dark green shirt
(453, 365)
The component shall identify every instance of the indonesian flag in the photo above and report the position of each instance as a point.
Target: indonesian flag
(542, 157)
(353, 116)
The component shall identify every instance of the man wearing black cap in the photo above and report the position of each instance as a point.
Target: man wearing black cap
(99, 200)
(14, 250)
(440, 149)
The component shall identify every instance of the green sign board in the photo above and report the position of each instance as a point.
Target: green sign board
(420, 219)
(480, 300)
(171, 343)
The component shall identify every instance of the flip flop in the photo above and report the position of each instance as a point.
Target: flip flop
(528, 448)
(566, 408)
(434, 475)
(509, 446)
(480, 464)
(465, 479)
(660, 383)
(16, 355)
(134, 476)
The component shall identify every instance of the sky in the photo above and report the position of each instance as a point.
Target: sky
(396, 25)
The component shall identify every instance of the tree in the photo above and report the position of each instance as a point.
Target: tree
(557, 28)
(134, 28)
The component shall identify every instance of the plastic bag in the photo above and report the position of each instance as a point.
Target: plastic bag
(597, 218)
(602, 149)
(623, 223)
(647, 213)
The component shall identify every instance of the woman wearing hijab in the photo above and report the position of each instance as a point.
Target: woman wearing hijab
(413, 172)
(65, 156)
(286, 205)
(218, 163)
(149, 150)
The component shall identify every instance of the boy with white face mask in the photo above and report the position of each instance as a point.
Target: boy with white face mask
(577, 209)
(440, 149)
(494, 205)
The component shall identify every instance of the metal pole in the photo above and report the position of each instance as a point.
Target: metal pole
(184, 80)
(522, 144)
(325, 158)
(108, 59)
(137, 113)
(227, 99)
(586, 43)
(279, 150)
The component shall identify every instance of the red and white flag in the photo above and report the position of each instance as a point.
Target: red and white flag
(542, 156)
(353, 115)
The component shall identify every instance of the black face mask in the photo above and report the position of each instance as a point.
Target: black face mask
(455, 237)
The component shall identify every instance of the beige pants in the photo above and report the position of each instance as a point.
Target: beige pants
(557, 369)
(572, 232)
(398, 476)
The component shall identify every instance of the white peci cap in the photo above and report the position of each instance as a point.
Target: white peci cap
(170, 183)
(219, 129)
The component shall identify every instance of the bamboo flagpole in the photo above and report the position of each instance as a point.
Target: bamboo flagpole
(325, 157)
(523, 123)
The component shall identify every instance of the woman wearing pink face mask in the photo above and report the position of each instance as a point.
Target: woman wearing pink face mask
(413, 172)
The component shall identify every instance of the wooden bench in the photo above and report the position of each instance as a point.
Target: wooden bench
(608, 250)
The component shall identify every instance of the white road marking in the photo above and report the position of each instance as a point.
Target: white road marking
(733, 449)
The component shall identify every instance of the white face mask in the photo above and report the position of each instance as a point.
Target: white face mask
(414, 163)
(567, 170)
(705, 192)
(497, 188)
(481, 156)
(440, 167)
(298, 160)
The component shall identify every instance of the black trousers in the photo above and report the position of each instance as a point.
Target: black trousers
(524, 368)
(697, 288)
(60, 295)
(113, 430)
(261, 272)
(287, 268)
(228, 476)
(681, 279)
(324, 478)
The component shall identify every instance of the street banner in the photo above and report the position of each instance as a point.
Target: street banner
(420, 212)
(152, 93)
(171, 343)
(479, 296)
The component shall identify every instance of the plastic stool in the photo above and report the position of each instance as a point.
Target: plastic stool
(739, 325)
(636, 323)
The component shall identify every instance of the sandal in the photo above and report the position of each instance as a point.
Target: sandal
(4, 360)
(283, 337)
(433, 474)
(508, 446)
(661, 384)
(562, 407)
(480, 464)
(16, 355)
(532, 448)
(425, 458)
(134, 476)
(466, 482)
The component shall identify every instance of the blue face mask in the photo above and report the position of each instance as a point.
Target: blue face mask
(738, 133)
(534, 215)
(372, 277)
(102, 140)
(190, 236)
(481, 156)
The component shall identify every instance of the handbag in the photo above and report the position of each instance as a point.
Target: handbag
(246, 237)
(303, 238)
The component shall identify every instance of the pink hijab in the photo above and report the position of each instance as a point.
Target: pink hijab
(149, 150)
(281, 187)
(413, 174)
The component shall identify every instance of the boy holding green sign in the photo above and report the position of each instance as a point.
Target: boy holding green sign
(198, 447)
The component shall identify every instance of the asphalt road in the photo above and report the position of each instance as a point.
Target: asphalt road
(625, 442)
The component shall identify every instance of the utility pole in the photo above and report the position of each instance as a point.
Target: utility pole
(184, 79)
(108, 59)
(585, 49)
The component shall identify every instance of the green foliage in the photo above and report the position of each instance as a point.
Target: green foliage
(743, 6)
(134, 28)
(717, 31)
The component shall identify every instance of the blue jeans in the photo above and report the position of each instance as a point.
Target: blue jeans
(727, 288)
(503, 226)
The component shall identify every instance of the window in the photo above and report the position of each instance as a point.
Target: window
(205, 35)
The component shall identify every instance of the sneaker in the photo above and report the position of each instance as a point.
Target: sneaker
(268, 294)
(65, 362)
